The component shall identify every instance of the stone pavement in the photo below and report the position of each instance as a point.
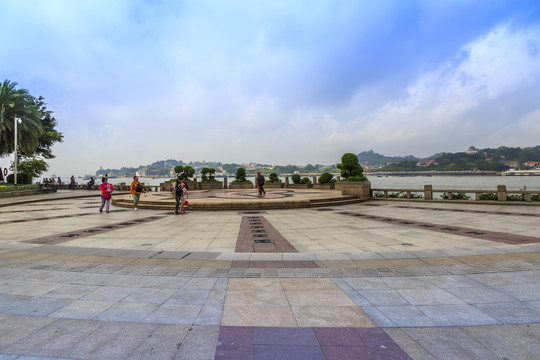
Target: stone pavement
(375, 280)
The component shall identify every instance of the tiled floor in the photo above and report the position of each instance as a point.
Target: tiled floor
(174, 288)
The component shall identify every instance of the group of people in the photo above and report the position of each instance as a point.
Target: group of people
(179, 192)
(106, 189)
(51, 183)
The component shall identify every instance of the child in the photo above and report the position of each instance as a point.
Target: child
(106, 190)
(183, 200)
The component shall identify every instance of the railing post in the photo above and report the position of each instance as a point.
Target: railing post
(338, 178)
(477, 196)
(286, 181)
(501, 192)
(225, 183)
(385, 194)
(408, 194)
(428, 192)
(314, 180)
(528, 197)
(449, 195)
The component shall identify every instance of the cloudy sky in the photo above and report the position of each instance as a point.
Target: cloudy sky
(279, 82)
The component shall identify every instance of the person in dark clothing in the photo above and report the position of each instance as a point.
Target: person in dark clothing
(91, 182)
(177, 193)
(260, 183)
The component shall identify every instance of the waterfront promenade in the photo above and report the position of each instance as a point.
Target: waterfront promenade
(371, 280)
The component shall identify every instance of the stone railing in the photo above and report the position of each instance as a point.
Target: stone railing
(427, 193)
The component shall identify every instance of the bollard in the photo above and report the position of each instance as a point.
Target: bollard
(225, 183)
(314, 180)
(286, 181)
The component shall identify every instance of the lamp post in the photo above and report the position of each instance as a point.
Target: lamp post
(16, 121)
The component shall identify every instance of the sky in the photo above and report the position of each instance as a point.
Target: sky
(131, 82)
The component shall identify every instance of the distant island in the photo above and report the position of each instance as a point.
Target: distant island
(472, 159)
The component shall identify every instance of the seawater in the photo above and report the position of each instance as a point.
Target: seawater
(478, 182)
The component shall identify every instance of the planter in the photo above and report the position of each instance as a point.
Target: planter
(273, 185)
(362, 189)
(300, 186)
(330, 186)
(241, 185)
(210, 185)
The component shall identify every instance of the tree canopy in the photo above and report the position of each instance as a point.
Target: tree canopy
(36, 134)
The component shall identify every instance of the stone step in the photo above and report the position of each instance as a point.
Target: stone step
(337, 202)
(341, 198)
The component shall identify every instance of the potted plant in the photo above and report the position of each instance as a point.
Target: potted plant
(300, 182)
(353, 181)
(273, 182)
(325, 182)
(184, 173)
(208, 181)
(240, 181)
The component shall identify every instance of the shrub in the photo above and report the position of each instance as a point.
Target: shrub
(350, 168)
(240, 176)
(488, 196)
(521, 197)
(184, 172)
(273, 178)
(456, 196)
(21, 178)
(206, 174)
(296, 178)
(326, 178)
(305, 180)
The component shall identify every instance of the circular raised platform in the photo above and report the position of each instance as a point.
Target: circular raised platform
(242, 199)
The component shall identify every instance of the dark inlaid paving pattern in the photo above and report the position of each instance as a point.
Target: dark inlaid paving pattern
(467, 210)
(249, 343)
(507, 238)
(77, 234)
(271, 264)
(257, 235)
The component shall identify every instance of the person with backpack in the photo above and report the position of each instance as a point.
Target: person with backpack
(106, 191)
(136, 189)
(177, 193)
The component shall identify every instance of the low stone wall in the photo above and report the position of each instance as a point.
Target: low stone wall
(15, 193)
(361, 189)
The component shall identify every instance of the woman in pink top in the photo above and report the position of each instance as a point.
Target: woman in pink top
(106, 190)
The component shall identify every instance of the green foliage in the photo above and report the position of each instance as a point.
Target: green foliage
(273, 178)
(184, 172)
(350, 168)
(296, 178)
(516, 197)
(305, 180)
(240, 176)
(27, 170)
(36, 133)
(326, 178)
(456, 196)
(206, 174)
(488, 196)
(400, 195)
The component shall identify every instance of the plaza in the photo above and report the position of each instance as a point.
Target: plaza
(378, 279)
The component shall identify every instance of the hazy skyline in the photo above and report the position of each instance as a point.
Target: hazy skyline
(132, 82)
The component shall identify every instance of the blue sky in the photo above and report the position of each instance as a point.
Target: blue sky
(133, 81)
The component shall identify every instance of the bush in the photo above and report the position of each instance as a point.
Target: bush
(305, 180)
(489, 196)
(273, 178)
(240, 176)
(206, 174)
(350, 168)
(456, 196)
(326, 178)
(21, 178)
(184, 172)
(516, 197)
(296, 178)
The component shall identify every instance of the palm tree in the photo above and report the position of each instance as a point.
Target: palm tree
(18, 103)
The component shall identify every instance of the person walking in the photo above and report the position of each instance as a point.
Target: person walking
(184, 199)
(176, 191)
(106, 194)
(72, 182)
(260, 183)
(136, 189)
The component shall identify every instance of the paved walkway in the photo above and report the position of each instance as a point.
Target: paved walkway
(376, 280)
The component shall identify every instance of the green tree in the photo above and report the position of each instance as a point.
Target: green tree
(350, 168)
(29, 169)
(240, 175)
